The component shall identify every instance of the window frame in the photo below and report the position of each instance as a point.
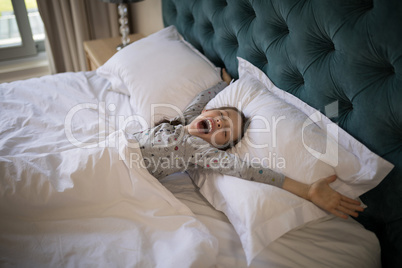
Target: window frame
(28, 47)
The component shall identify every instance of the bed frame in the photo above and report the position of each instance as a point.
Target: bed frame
(343, 54)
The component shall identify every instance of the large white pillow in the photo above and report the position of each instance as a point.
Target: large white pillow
(161, 69)
(301, 143)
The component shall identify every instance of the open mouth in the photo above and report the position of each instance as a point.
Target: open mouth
(204, 126)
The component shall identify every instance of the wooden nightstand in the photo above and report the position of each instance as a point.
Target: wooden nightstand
(100, 50)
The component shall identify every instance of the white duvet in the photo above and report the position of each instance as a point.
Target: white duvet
(66, 197)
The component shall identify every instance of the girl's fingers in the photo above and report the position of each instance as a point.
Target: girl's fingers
(348, 211)
(344, 209)
(331, 179)
(339, 214)
(350, 200)
(351, 206)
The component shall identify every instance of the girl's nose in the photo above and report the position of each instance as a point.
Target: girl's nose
(218, 123)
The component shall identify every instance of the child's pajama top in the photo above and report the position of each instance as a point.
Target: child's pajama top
(167, 149)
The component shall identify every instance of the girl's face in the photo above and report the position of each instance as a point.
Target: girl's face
(218, 127)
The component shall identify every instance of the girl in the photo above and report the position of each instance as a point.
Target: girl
(199, 140)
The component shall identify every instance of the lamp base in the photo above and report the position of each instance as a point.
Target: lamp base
(121, 46)
(124, 29)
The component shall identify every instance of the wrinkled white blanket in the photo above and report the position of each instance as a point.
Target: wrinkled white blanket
(67, 199)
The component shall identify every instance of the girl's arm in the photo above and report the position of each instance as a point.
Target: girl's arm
(206, 156)
(196, 106)
(323, 196)
(319, 192)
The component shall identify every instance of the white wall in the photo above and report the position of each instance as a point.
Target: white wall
(147, 16)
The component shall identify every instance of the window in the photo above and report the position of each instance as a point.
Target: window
(21, 29)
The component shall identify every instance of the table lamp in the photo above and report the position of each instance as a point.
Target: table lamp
(124, 29)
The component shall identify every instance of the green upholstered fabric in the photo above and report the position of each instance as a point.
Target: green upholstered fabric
(346, 53)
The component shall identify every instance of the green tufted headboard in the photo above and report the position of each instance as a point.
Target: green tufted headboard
(322, 51)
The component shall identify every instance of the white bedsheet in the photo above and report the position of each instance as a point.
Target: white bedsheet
(65, 206)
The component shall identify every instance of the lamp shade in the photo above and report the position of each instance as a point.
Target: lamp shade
(121, 1)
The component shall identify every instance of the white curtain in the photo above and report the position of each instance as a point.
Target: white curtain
(69, 23)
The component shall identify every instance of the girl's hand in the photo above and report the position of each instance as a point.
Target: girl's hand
(322, 195)
(226, 77)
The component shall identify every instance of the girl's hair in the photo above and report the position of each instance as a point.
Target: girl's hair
(174, 122)
(243, 125)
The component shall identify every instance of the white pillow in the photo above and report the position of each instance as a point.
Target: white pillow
(161, 69)
(301, 147)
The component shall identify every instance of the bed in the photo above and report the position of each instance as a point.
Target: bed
(72, 196)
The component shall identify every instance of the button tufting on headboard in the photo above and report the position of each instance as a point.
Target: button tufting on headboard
(189, 19)
(365, 5)
(344, 112)
(294, 79)
(207, 28)
(248, 10)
